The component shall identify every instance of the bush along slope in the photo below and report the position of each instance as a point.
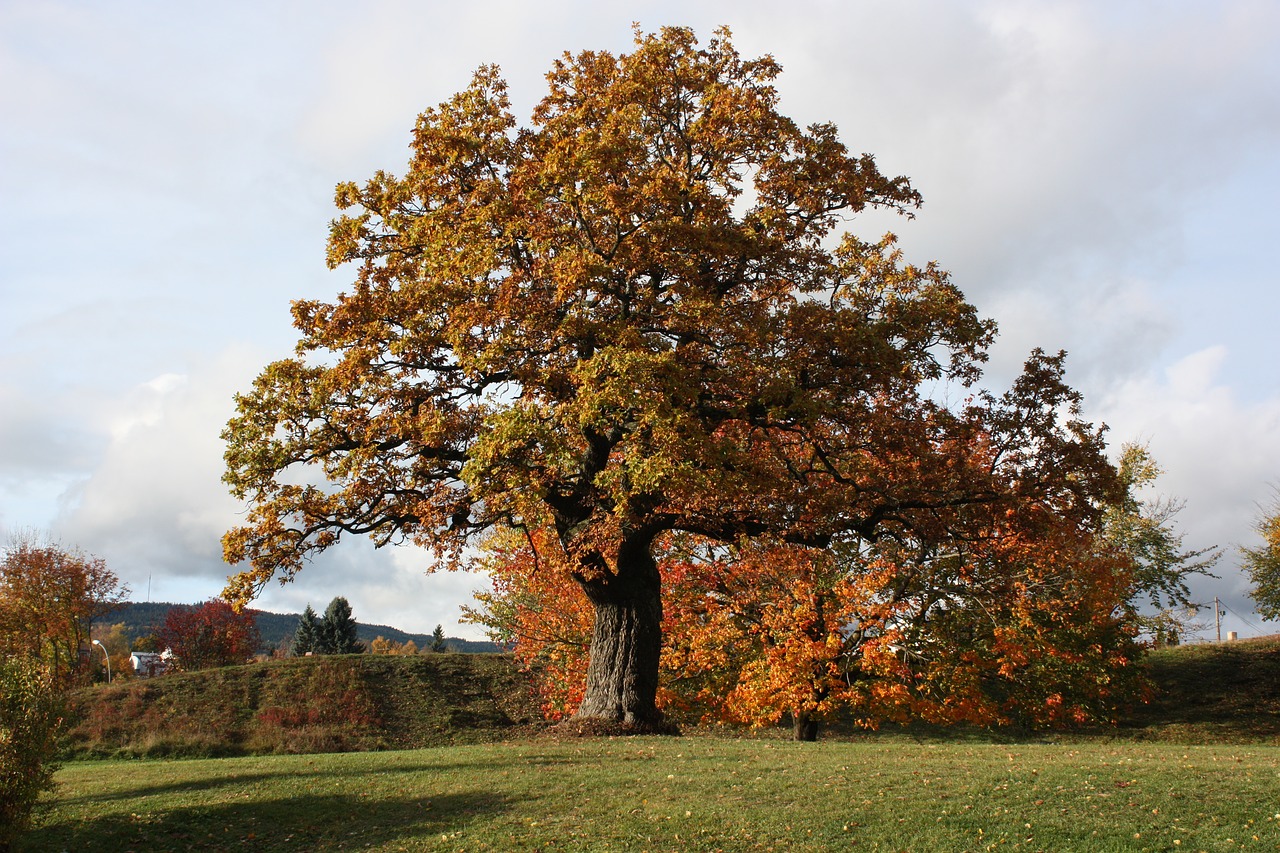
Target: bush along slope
(318, 704)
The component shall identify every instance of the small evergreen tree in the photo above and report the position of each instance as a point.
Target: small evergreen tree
(307, 634)
(438, 642)
(338, 629)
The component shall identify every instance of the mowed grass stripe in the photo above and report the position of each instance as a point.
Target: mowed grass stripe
(691, 793)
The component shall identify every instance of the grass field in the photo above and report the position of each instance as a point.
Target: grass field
(1197, 769)
(687, 793)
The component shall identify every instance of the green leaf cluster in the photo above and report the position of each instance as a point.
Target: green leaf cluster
(1263, 564)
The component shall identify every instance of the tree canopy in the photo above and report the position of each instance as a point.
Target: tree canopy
(629, 320)
(209, 635)
(50, 596)
(1263, 563)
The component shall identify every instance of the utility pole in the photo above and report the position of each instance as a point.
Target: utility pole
(1217, 618)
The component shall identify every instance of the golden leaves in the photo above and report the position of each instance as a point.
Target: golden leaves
(624, 321)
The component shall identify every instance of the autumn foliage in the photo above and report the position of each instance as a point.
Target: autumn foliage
(50, 597)
(209, 635)
(632, 328)
(538, 611)
(1029, 628)
(1263, 563)
(1013, 609)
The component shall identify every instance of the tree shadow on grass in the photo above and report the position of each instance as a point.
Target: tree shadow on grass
(290, 823)
(220, 781)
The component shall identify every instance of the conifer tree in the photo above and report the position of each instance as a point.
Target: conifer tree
(338, 629)
(438, 642)
(307, 634)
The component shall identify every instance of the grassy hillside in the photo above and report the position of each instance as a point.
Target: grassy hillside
(331, 703)
(1215, 692)
(1205, 694)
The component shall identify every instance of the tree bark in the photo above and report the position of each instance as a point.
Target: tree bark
(626, 643)
(803, 726)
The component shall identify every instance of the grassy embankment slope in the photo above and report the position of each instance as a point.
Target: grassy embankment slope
(1227, 693)
(334, 703)
(1215, 692)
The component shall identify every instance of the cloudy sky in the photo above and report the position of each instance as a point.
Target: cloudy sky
(1100, 177)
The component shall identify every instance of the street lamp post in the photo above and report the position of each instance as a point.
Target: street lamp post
(98, 643)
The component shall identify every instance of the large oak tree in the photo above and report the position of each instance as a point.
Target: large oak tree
(630, 318)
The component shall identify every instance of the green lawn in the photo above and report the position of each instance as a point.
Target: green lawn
(689, 793)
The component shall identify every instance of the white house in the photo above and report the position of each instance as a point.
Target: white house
(147, 664)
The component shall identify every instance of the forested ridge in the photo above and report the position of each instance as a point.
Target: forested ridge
(143, 618)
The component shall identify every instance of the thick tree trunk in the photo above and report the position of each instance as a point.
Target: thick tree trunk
(626, 643)
(803, 726)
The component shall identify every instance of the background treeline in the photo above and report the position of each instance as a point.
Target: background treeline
(277, 629)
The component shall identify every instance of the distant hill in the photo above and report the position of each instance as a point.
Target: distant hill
(141, 619)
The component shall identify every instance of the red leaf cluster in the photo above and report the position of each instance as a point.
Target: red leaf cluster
(209, 635)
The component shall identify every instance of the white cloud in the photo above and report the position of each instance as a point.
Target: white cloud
(154, 507)
(39, 439)
(1111, 329)
(1049, 140)
(145, 406)
(1099, 177)
(1219, 454)
(153, 503)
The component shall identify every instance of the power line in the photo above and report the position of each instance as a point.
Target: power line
(1242, 619)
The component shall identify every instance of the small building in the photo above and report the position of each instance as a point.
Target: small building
(148, 664)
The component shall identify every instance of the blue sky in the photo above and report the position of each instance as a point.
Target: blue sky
(1098, 177)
